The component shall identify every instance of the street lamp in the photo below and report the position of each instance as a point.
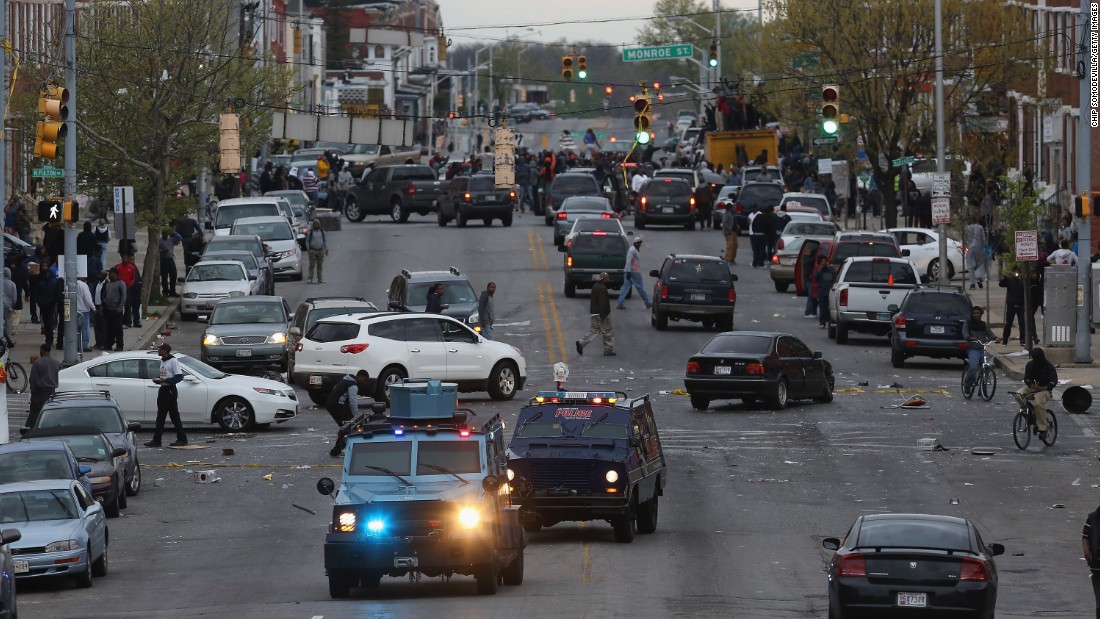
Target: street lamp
(716, 60)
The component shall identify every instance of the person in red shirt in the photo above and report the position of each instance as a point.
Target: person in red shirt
(128, 273)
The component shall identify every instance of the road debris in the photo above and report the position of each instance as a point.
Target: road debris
(207, 477)
(305, 509)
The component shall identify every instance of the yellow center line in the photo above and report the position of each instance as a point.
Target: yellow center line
(586, 559)
(534, 251)
(557, 322)
(546, 322)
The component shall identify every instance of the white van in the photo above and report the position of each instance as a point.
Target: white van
(233, 209)
(279, 241)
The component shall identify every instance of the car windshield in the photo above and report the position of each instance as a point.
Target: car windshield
(805, 228)
(761, 194)
(249, 245)
(455, 456)
(232, 212)
(272, 231)
(244, 257)
(597, 224)
(698, 271)
(247, 313)
(667, 188)
(454, 292)
(103, 418)
(851, 250)
(739, 343)
(84, 446)
(575, 185)
(754, 174)
(332, 332)
(604, 244)
(482, 183)
(37, 506)
(392, 456)
(216, 273)
(34, 465)
(939, 303)
(200, 368)
(296, 198)
(913, 534)
(414, 173)
(688, 177)
(326, 312)
(542, 429)
(880, 272)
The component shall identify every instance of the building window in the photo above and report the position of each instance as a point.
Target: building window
(379, 51)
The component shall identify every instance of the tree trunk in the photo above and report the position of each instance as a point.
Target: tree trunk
(151, 271)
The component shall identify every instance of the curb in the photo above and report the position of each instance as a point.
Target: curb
(1010, 370)
(158, 326)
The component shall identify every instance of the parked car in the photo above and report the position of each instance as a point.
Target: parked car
(396, 190)
(7, 566)
(63, 531)
(841, 247)
(408, 292)
(209, 282)
(576, 208)
(315, 308)
(865, 294)
(694, 287)
(929, 323)
(666, 201)
(922, 247)
(233, 209)
(789, 245)
(207, 395)
(250, 243)
(41, 460)
(753, 366)
(476, 198)
(890, 564)
(247, 333)
(280, 240)
(404, 345)
(566, 185)
(590, 253)
(107, 462)
(261, 284)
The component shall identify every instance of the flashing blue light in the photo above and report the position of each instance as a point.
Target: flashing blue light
(376, 526)
(576, 397)
(398, 431)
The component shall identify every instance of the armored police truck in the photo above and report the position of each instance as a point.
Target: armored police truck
(587, 456)
(422, 493)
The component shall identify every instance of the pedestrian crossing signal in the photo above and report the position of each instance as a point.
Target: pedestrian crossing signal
(50, 211)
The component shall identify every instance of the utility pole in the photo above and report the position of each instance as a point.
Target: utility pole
(72, 342)
(718, 40)
(1084, 187)
(941, 163)
(3, 192)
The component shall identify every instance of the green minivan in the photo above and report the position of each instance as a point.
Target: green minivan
(592, 253)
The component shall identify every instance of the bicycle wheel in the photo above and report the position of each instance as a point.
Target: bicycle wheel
(1021, 430)
(968, 392)
(17, 377)
(987, 381)
(1052, 429)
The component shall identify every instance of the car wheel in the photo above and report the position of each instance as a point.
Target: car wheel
(513, 573)
(339, 584)
(503, 381)
(396, 212)
(660, 320)
(389, 376)
(352, 210)
(506, 221)
(185, 317)
(84, 579)
(531, 526)
(234, 414)
(488, 221)
(647, 516)
(111, 508)
(100, 566)
(318, 397)
(558, 240)
(690, 226)
(827, 396)
(726, 323)
(460, 219)
(700, 403)
(548, 220)
(897, 358)
(830, 330)
(488, 576)
(133, 487)
(781, 286)
(708, 323)
(841, 333)
(623, 526)
(778, 399)
(440, 219)
(570, 289)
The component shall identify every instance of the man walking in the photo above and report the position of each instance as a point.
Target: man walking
(1090, 546)
(131, 278)
(168, 397)
(632, 275)
(976, 243)
(168, 273)
(47, 294)
(318, 249)
(84, 306)
(1014, 306)
(757, 238)
(343, 403)
(485, 311)
(43, 382)
(114, 306)
(599, 306)
(729, 229)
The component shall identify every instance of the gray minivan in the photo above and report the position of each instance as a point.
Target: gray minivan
(231, 210)
(280, 242)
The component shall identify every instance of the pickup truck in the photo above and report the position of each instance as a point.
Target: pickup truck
(864, 292)
(399, 190)
(363, 156)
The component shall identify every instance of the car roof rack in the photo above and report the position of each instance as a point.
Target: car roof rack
(406, 274)
(74, 395)
(454, 271)
(333, 298)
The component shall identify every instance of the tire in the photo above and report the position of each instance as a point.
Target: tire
(389, 376)
(398, 212)
(967, 393)
(112, 509)
(185, 317)
(623, 527)
(460, 219)
(506, 221)
(101, 565)
(133, 487)
(513, 573)
(690, 226)
(647, 516)
(1021, 431)
(700, 403)
(352, 211)
(934, 269)
(318, 397)
(548, 220)
(1052, 430)
(503, 381)
(122, 501)
(725, 323)
(17, 377)
(660, 320)
(781, 286)
(570, 289)
(841, 333)
(825, 397)
(488, 221)
(84, 579)
(440, 219)
(987, 383)
(234, 414)
(830, 330)
(897, 358)
(778, 399)
(532, 526)
(339, 585)
(488, 575)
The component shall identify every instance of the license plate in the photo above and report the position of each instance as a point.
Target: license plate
(697, 296)
(244, 352)
(435, 202)
(406, 562)
(913, 599)
(722, 369)
(938, 329)
(22, 566)
(490, 198)
(882, 316)
(668, 209)
(315, 380)
(595, 277)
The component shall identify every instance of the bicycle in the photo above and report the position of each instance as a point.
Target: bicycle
(17, 377)
(1023, 425)
(986, 380)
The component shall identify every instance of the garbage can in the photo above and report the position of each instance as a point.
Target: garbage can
(1060, 303)
(1076, 399)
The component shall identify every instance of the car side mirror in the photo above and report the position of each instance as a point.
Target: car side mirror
(133, 426)
(563, 248)
(251, 277)
(118, 452)
(189, 378)
(490, 483)
(326, 486)
(905, 253)
(294, 332)
(83, 470)
(994, 549)
(892, 308)
(831, 543)
(23, 430)
(818, 355)
(8, 536)
(654, 273)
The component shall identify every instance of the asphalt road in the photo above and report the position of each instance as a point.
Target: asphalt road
(752, 491)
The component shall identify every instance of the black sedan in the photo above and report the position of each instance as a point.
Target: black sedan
(94, 450)
(893, 565)
(755, 365)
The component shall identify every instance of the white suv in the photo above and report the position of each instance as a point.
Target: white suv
(391, 346)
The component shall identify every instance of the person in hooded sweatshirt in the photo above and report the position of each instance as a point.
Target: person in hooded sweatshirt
(103, 237)
(85, 241)
(10, 298)
(1040, 378)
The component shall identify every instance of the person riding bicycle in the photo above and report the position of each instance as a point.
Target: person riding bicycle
(975, 331)
(1040, 377)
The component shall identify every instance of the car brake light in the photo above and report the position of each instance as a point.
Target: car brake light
(737, 208)
(599, 234)
(852, 565)
(467, 196)
(643, 200)
(973, 570)
(775, 258)
(692, 201)
(664, 291)
(780, 244)
(843, 297)
(732, 295)
(605, 215)
(755, 369)
(569, 261)
(562, 215)
(353, 349)
(668, 180)
(899, 321)
(464, 433)
(693, 367)
(879, 259)
(512, 195)
(412, 190)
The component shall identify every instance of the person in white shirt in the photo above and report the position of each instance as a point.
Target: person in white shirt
(85, 304)
(1064, 255)
(757, 240)
(171, 374)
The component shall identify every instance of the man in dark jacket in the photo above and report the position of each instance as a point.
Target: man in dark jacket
(42, 383)
(343, 404)
(599, 306)
(85, 241)
(1014, 305)
(974, 331)
(1090, 547)
(485, 313)
(47, 294)
(1040, 378)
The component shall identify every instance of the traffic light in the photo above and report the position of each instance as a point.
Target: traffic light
(69, 211)
(1081, 205)
(567, 68)
(52, 106)
(582, 67)
(50, 211)
(712, 56)
(642, 119)
(830, 109)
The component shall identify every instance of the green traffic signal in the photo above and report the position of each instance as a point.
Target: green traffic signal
(642, 137)
(830, 127)
(713, 62)
(582, 74)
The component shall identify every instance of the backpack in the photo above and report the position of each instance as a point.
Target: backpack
(333, 399)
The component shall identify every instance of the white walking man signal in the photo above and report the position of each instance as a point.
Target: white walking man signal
(53, 212)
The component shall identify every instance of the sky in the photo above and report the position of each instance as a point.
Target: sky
(551, 20)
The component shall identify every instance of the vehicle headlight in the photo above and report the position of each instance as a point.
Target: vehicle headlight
(469, 517)
(62, 546)
(211, 340)
(237, 293)
(100, 480)
(473, 319)
(346, 522)
(277, 338)
(511, 474)
(292, 252)
(376, 525)
(612, 477)
(267, 391)
(190, 295)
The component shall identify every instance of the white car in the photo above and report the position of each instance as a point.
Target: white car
(391, 346)
(278, 235)
(231, 210)
(595, 224)
(794, 235)
(922, 247)
(812, 200)
(209, 282)
(726, 197)
(206, 395)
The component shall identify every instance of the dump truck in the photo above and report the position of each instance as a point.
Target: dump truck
(721, 146)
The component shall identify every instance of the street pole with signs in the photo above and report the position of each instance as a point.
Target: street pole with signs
(941, 216)
(940, 138)
(1027, 252)
(72, 341)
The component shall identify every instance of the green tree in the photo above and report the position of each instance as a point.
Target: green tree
(1021, 209)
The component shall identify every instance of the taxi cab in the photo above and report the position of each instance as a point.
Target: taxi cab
(589, 455)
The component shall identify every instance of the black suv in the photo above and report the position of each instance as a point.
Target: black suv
(476, 197)
(762, 195)
(409, 293)
(667, 201)
(693, 287)
(587, 456)
(929, 323)
(567, 185)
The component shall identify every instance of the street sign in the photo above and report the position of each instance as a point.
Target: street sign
(659, 52)
(941, 211)
(806, 60)
(824, 166)
(1027, 245)
(897, 163)
(941, 184)
(124, 200)
(825, 139)
(47, 171)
